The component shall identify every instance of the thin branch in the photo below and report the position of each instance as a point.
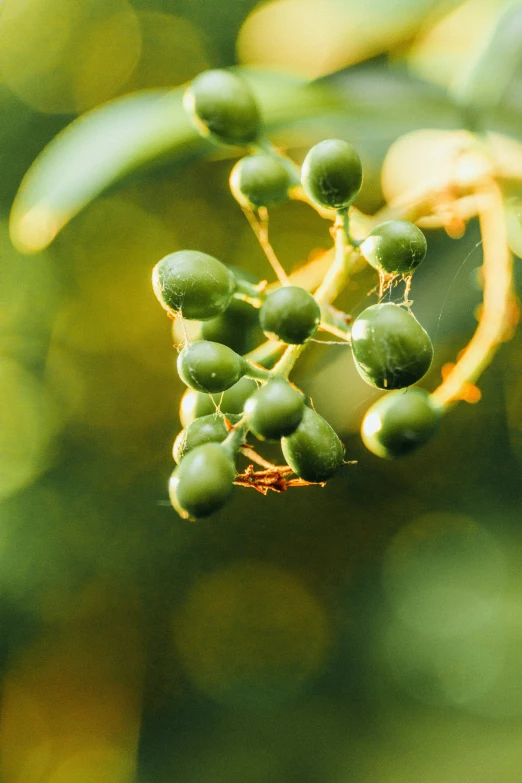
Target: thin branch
(497, 275)
(260, 229)
(340, 270)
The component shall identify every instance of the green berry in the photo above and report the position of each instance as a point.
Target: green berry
(274, 410)
(390, 347)
(260, 180)
(290, 314)
(195, 404)
(399, 423)
(194, 284)
(238, 326)
(209, 367)
(202, 482)
(313, 451)
(222, 105)
(397, 247)
(332, 174)
(207, 429)
(235, 332)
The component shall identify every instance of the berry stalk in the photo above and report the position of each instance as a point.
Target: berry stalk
(497, 270)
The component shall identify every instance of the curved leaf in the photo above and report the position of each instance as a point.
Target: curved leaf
(109, 142)
(482, 87)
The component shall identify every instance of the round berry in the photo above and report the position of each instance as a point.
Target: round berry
(399, 423)
(290, 314)
(390, 347)
(313, 451)
(260, 180)
(207, 429)
(397, 247)
(194, 284)
(274, 410)
(195, 404)
(221, 105)
(202, 482)
(238, 326)
(209, 367)
(232, 330)
(332, 174)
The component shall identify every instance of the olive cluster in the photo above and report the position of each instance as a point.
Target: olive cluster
(228, 394)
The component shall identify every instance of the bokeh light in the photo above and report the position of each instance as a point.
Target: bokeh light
(251, 635)
(27, 424)
(70, 709)
(368, 631)
(172, 52)
(64, 56)
(444, 574)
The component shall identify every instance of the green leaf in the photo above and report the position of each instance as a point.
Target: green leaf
(106, 144)
(482, 87)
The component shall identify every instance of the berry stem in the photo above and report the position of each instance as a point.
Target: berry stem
(285, 365)
(267, 353)
(335, 322)
(247, 292)
(260, 229)
(497, 274)
(341, 268)
(255, 371)
(235, 438)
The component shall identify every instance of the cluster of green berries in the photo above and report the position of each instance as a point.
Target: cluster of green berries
(228, 395)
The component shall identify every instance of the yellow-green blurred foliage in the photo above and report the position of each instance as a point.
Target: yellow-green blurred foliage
(367, 632)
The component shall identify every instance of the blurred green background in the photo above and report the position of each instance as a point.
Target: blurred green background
(367, 632)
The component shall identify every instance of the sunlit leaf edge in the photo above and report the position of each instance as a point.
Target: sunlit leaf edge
(109, 142)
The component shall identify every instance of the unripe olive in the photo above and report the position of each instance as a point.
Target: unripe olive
(290, 314)
(332, 174)
(202, 482)
(396, 246)
(237, 333)
(209, 367)
(231, 402)
(194, 284)
(221, 105)
(400, 422)
(390, 347)
(274, 410)
(207, 429)
(260, 180)
(238, 326)
(313, 450)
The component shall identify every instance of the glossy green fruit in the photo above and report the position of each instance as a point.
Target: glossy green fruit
(194, 284)
(202, 482)
(313, 451)
(397, 247)
(238, 326)
(209, 367)
(260, 180)
(332, 174)
(290, 314)
(390, 347)
(221, 105)
(399, 423)
(207, 429)
(195, 404)
(234, 331)
(274, 410)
